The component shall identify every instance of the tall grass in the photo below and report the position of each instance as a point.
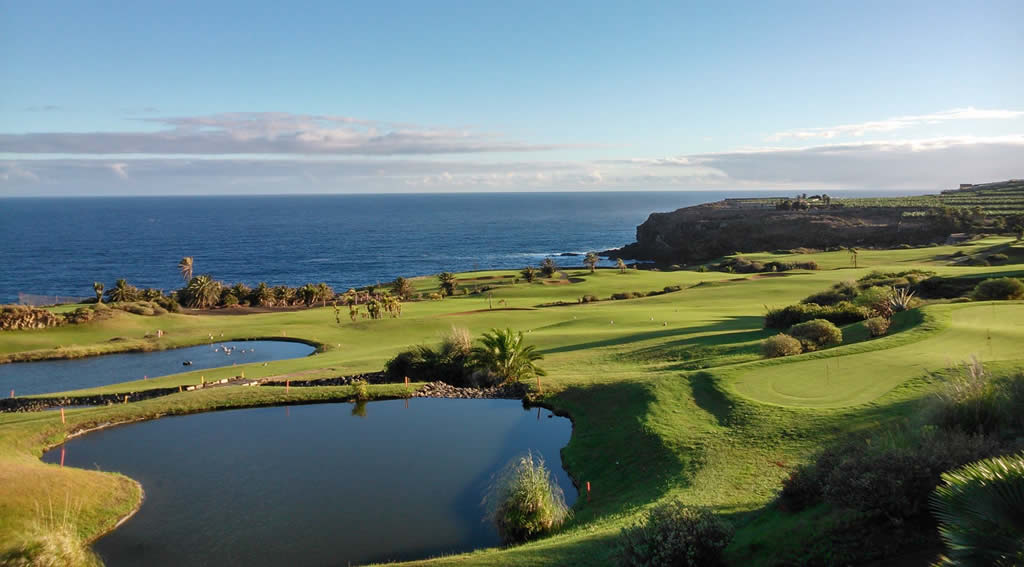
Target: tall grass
(524, 501)
(975, 402)
(52, 541)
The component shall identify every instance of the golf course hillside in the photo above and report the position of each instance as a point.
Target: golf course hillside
(680, 391)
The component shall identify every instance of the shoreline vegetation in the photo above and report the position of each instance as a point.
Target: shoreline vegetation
(684, 422)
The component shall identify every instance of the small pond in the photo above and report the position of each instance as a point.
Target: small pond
(315, 485)
(27, 378)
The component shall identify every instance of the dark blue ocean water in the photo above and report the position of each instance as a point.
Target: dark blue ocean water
(61, 246)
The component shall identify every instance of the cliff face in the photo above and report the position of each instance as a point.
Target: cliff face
(707, 231)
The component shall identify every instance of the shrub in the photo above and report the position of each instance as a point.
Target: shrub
(894, 481)
(816, 333)
(628, 295)
(974, 402)
(999, 288)
(842, 313)
(877, 326)
(17, 317)
(674, 534)
(801, 489)
(979, 511)
(671, 288)
(780, 345)
(525, 502)
(425, 364)
(589, 298)
(843, 291)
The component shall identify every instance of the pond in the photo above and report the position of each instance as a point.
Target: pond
(324, 484)
(47, 376)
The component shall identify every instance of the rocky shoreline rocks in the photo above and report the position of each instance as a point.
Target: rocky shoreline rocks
(443, 390)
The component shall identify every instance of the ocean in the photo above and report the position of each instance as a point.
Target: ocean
(61, 246)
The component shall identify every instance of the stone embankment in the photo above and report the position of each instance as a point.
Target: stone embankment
(443, 390)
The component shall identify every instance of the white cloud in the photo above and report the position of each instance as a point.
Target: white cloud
(896, 123)
(269, 133)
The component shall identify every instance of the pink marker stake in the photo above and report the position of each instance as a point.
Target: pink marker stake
(62, 415)
(287, 385)
(588, 491)
(12, 393)
(62, 455)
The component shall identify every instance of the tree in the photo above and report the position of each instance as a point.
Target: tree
(202, 292)
(284, 295)
(402, 288)
(324, 293)
(620, 265)
(308, 294)
(853, 255)
(122, 291)
(185, 267)
(448, 283)
(241, 291)
(262, 295)
(98, 288)
(505, 354)
(591, 261)
(529, 274)
(548, 267)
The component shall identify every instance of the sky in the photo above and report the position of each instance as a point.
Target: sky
(173, 98)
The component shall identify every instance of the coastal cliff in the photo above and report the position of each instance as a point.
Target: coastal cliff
(702, 232)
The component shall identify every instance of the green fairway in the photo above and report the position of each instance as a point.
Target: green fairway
(668, 393)
(989, 332)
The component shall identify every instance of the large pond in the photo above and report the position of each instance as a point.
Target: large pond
(27, 378)
(316, 485)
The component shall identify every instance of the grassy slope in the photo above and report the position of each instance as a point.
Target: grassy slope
(666, 392)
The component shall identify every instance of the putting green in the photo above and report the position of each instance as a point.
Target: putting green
(989, 331)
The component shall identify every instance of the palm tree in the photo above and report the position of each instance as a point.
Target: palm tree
(402, 288)
(284, 295)
(620, 265)
(591, 261)
(504, 353)
(548, 267)
(202, 292)
(98, 288)
(122, 291)
(262, 295)
(308, 294)
(529, 274)
(324, 293)
(979, 511)
(185, 267)
(853, 255)
(448, 283)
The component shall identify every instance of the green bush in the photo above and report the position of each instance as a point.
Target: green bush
(447, 363)
(877, 326)
(674, 534)
(974, 402)
(780, 345)
(999, 288)
(894, 480)
(979, 511)
(801, 489)
(589, 298)
(524, 502)
(628, 295)
(843, 291)
(842, 313)
(816, 333)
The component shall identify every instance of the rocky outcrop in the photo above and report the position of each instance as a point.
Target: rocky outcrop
(702, 232)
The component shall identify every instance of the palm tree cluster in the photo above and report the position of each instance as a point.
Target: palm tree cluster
(448, 283)
(591, 260)
(502, 356)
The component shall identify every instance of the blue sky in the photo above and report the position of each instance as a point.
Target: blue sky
(166, 98)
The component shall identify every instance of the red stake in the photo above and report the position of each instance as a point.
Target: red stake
(62, 415)
(12, 393)
(588, 491)
(287, 385)
(62, 455)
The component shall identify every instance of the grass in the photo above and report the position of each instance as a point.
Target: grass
(668, 394)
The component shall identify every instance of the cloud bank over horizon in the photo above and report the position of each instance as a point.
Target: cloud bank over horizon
(274, 152)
